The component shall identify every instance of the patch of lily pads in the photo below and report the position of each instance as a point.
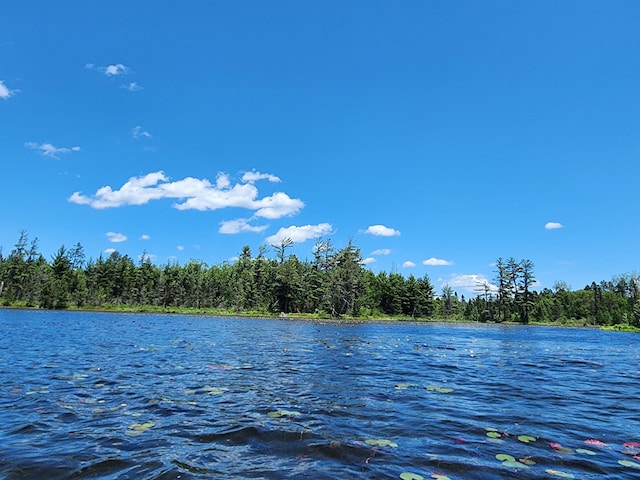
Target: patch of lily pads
(380, 442)
(283, 414)
(509, 461)
(139, 428)
(436, 388)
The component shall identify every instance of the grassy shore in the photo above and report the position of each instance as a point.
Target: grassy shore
(109, 307)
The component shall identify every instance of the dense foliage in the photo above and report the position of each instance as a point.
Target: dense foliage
(334, 283)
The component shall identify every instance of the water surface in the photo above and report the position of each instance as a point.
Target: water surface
(119, 396)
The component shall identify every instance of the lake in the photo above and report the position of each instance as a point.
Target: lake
(136, 396)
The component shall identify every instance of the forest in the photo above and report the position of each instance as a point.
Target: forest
(333, 284)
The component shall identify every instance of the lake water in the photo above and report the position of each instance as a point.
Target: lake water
(134, 396)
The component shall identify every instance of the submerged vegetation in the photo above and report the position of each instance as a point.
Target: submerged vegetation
(332, 284)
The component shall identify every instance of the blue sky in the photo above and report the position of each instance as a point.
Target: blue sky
(438, 136)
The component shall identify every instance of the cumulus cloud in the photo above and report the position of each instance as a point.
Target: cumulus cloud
(180, 248)
(381, 251)
(132, 87)
(473, 283)
(381, 231)
(553, 225)
(408, 264)
(194, 194)
(300, 234)
(145, 237)
(253, 176)
(240, 225)
(436, 262)
(6, 92)
(113, 70)
(109, 251)
(368, 260)
(139, 132)
(49, 150)
(115, 237)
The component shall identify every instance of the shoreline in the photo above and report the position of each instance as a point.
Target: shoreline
(148, 309)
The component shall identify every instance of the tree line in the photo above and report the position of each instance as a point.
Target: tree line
(334, 283)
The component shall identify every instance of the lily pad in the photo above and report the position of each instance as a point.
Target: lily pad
(380, 442)
(629, 463)
(526, 438)
(439, 476)
(559, 473)
(404, 386)
(514, 464)
(493, 434)
(138, 428)
(435, 388)
(214, 390)
(283, 413)
(560, 449)
(503, 457)
(411, 476)
(585, 451)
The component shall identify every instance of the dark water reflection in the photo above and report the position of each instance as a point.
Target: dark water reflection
(112, 396)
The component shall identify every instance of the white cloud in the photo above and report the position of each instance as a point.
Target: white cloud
(436, 262)
(300, 234)
(553, 225)
(240, 225)
(139, 132)
(48, 150)
(382, 231)
(116, 237)
(381, 251)
(180, 248)
(109, 251)
(368, 260)
(132, 87)
(408, 264)
(197, 194)
(145, 237)
(473, 283)
(253, 176)
(6, 92)
(112, 70)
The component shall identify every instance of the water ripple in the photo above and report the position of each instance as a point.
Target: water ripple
(166, 397)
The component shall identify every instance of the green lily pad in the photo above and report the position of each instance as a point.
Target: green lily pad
(559, 473)
(493, 434)
(138, 428)
(514, 464)
(565, 450)
(503, 457)
(629, 463)
(411, 476)
(380, 442)
(526, 438)
(403, 386)
(214, 390)
(435, 388)
(585, 451)
(283, 413)
(497, 441)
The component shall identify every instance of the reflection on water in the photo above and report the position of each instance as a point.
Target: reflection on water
(117, 396)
